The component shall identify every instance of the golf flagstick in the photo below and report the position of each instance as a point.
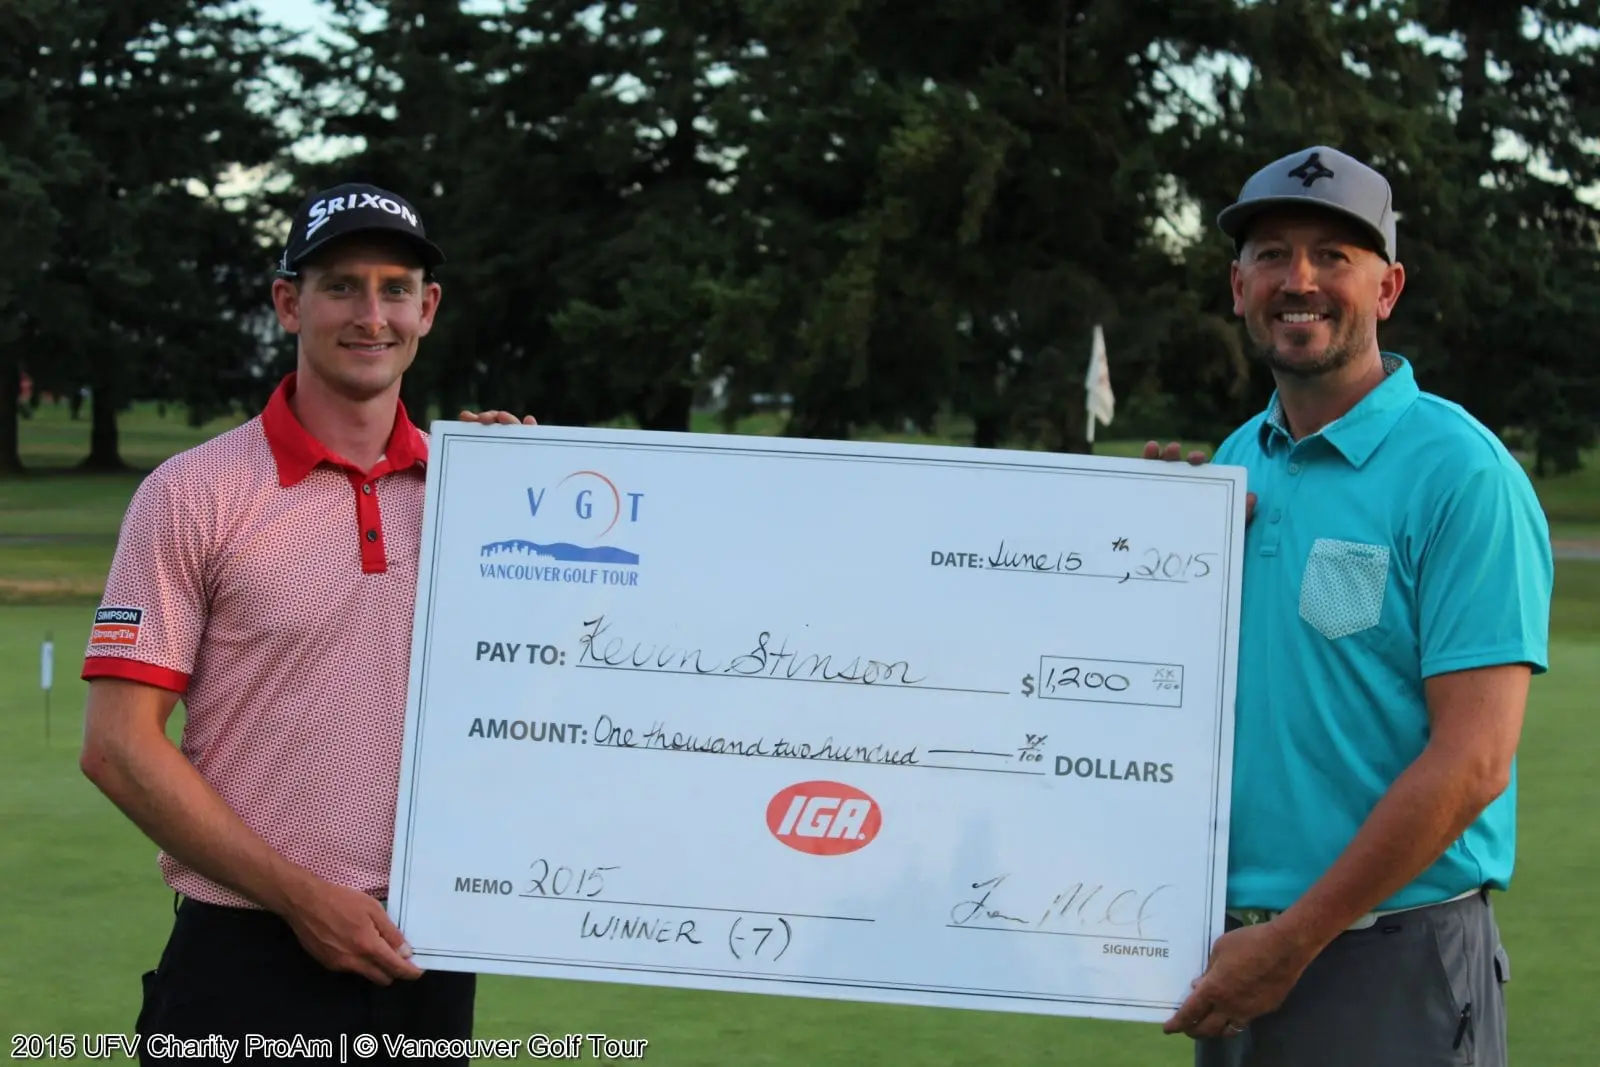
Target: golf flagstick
(47, 670)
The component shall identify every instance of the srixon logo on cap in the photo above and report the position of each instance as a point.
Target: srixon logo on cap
(824, 818)
(323, 210)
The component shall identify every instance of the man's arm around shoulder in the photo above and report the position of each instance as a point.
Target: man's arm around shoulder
(127, 755)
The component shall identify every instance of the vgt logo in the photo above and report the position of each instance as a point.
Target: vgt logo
(569, 527)
(824, 818)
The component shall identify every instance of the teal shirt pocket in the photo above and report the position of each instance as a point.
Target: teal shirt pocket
(1342, 587)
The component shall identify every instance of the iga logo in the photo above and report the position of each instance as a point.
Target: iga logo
(824, 818)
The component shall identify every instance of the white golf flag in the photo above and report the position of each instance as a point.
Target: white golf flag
(47, 665)
(1101, 402)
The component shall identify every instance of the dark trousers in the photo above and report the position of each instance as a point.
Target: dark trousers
(235, 972)
(1421, 988)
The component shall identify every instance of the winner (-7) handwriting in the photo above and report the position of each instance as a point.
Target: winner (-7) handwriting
(749, 935)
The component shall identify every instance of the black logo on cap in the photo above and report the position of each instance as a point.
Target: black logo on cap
(1312, 169)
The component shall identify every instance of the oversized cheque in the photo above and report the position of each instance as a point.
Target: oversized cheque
(888, 723)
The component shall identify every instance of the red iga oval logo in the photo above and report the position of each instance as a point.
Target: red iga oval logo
(824, 818)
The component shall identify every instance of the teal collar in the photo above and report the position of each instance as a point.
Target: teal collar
(1357, 434)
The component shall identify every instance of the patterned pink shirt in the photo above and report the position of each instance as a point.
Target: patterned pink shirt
(259, 576)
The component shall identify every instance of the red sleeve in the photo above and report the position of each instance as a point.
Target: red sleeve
(150, 620)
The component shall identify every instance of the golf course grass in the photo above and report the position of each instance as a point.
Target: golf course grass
(86, 912)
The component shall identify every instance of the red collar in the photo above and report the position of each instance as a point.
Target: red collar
(297, 453)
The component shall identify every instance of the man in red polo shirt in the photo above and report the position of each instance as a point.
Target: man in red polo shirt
(266, 578)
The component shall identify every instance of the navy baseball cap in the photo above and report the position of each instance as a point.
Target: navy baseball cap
(1319, 177)
(353, 208)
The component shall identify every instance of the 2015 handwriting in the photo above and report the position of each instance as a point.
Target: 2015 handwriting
(1174, 566)
(559, 880)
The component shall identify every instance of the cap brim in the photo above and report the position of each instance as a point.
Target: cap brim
(432, 255)
(1233, 219)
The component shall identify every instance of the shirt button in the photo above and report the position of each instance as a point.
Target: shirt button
(1294, 468)
(1275, 516)
(372, 535)
(367, 488)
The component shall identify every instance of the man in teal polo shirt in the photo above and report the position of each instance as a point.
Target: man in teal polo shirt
(1397, 587)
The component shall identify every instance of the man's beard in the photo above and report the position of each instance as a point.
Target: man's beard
(1342, 348)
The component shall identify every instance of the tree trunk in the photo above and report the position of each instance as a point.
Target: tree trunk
(986, 430)
(669, 411)
(414, 395)
(10, 386)
(103, 450)
(816, 421)
(1074, 432)
(447, 394)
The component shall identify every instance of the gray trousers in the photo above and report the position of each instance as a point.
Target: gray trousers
(1418, 989)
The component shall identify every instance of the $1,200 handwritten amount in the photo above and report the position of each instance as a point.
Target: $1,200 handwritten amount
(1106, 681)
(1057, 679)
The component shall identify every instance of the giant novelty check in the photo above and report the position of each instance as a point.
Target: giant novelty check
(934, 726)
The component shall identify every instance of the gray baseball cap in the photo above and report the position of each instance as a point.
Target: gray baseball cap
(1318, 177)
